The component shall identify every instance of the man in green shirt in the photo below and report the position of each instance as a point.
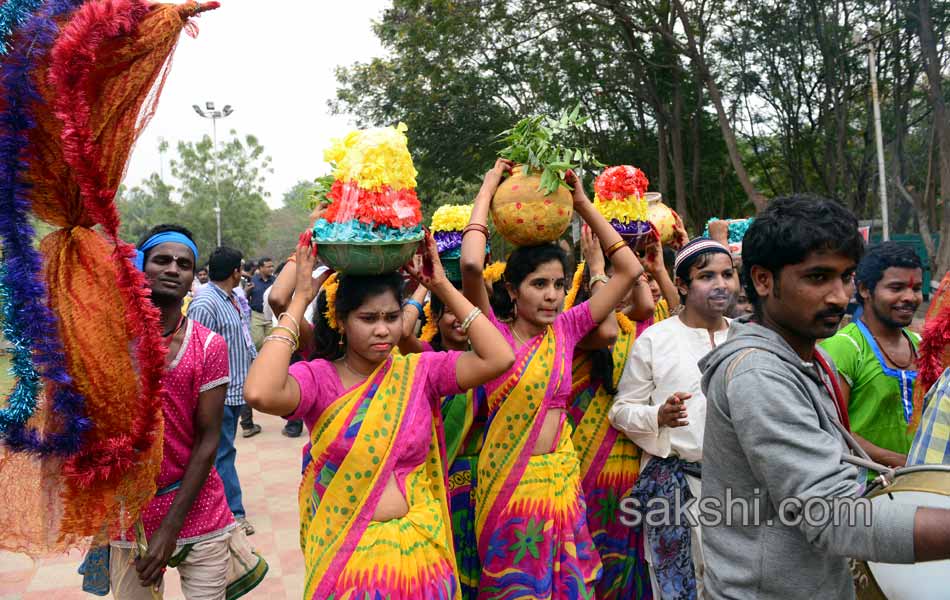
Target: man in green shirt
(876, 354)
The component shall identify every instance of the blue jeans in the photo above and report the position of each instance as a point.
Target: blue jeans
(224, 462)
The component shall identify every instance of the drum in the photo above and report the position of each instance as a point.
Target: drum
(921, 485)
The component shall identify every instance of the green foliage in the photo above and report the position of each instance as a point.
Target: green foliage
(542, 144)
(241, 166)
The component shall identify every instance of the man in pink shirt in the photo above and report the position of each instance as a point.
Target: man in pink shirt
(188, 524)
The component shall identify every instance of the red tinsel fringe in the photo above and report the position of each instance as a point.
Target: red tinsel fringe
(71, 75)
(933, 356)
(393, 208)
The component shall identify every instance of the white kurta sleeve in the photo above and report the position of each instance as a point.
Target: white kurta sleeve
(633, 411)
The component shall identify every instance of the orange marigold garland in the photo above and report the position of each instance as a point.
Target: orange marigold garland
(431, 327)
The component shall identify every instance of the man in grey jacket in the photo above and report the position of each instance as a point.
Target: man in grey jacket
(772, 440)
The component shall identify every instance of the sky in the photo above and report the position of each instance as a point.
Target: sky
(275, 68)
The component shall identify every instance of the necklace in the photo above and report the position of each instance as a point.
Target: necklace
(171, 333)
(514, 332)
(346, 365)
(913, 351)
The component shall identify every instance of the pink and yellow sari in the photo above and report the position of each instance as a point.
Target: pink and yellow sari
(609, 464)
(349, 460)
(530, 516)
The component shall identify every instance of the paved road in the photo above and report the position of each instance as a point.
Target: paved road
(269, 467)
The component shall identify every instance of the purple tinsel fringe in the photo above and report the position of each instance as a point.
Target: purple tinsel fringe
(447, 240)
(31, 318)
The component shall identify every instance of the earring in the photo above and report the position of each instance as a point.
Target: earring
(341, 341)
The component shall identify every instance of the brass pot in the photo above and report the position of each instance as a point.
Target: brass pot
(524, 215)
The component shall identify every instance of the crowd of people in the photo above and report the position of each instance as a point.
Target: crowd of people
(502, 437)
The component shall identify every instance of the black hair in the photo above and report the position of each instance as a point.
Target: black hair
(222, 262)
(880, 258)
(669, 259)
(790, 228)
(352, 292)
(200, 269)
(280, 267)
(700, 261)
(163, 228)
(263, 260)
(522, 262)
(602, 359)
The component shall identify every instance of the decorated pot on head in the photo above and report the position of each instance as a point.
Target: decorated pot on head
(619, 197)
(525, 215)
(448, 221)
(373, 223)
(669, 224)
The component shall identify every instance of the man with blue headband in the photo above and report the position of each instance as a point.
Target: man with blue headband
(189, 516)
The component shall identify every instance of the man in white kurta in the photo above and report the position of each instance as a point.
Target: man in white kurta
(659, 404)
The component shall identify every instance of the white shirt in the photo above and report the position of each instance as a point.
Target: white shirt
(308, 314)
(664, 359)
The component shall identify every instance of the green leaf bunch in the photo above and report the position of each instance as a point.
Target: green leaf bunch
(548, 146)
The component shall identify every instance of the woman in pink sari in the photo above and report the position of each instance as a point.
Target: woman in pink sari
(530, 520)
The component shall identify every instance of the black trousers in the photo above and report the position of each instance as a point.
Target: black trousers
(247, 417)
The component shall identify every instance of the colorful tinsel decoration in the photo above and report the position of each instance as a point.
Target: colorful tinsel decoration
(373, 195)
(79, 83)
(13, 14)
(29, 324)
(737, 228)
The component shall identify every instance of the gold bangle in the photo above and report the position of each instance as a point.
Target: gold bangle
(295, 336)
(614, 248)
(292, 318)
(599, 279)
(467, 323)
(284, 339)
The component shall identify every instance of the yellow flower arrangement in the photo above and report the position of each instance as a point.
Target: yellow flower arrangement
(571, 297)
(494, 271)
(626, 325)
(451, 217)
(373, 158)
(330, 288)
(629, 209)
(431, 327)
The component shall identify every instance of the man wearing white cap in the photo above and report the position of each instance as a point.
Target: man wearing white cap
(660, 406)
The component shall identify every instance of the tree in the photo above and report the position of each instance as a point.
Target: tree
(145, 206)
(241, 167)
(284, 225)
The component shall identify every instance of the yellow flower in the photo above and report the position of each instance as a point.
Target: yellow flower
(330, 287)
(494, 271)
(451, 217)
(571, 297)
(629, 209)
(626, 325)
(431, 327)
(373, 158)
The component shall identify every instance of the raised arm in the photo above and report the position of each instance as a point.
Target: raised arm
(606, 333)
(627, 269)
(476, 236)
(490, 355)
(269, 387)
(409, 343)
(656, 267)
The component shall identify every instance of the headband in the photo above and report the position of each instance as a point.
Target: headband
(161, 238)
(696, 246)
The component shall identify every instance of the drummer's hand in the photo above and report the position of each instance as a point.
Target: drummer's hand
(673, 411)
(426, 267)
(161, 547)
(494, 177)
(306, 260)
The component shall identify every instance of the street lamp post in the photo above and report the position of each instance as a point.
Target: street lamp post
(209, 112)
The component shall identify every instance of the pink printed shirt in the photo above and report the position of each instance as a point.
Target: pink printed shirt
(201, 365)
(435, 377)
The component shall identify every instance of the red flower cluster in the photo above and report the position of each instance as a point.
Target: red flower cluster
(620, 182)
(396, 209)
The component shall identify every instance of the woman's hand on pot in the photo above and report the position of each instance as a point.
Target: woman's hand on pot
(494, 177)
